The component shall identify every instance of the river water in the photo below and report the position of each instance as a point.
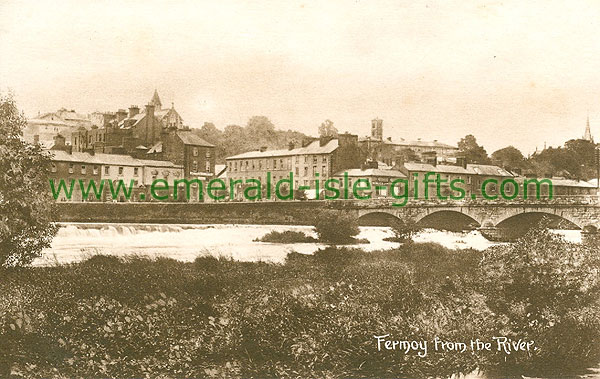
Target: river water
(78, 241)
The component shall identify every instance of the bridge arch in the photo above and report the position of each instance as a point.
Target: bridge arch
(377, 218)
(448, 219)
(531, 218)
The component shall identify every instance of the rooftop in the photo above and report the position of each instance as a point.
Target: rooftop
(313, 148)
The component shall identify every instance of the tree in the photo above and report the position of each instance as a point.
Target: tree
(334, 227)
(472, 151)
(509, 157)
(327, 129)
(26, 225)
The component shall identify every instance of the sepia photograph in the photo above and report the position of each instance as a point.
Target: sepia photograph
(300, 189)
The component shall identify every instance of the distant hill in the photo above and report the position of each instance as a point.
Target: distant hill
(258, 132)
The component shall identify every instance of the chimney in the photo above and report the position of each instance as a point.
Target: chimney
(291, 145)
(306, 141)
(59, 141)
(263, 149)
(324, 140)
(133, 110)
(36, 139)
(121, 114)
(150, 109)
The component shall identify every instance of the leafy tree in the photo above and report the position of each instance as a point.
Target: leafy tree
(335, 228)
(472, 151)
(25, 204)
(509, 157)
(327, 129)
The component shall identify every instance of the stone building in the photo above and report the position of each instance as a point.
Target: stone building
(388, 150)
(316, 159)
(43, 128)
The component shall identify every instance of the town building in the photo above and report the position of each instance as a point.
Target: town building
(391, 151)
(316, 159)
(380, 182)
(44, 127)
(113, 168)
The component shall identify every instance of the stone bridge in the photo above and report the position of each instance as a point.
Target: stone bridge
(570, 213)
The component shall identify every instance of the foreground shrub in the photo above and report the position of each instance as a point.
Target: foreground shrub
(336, 228)
(545, 289)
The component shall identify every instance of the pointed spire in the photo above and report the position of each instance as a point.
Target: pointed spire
(156, 101)
(588, 133)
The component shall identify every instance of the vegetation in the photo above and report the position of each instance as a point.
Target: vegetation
(25, 204)
(314, 316)
(336, 228)
(258, 132)
(404, 231)
(287, 236)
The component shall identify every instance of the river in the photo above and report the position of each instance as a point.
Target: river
(78, 241)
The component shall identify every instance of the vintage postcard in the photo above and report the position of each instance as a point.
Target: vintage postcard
(299, 189)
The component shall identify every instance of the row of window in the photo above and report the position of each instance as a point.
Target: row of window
(275, 164)
(195, 152)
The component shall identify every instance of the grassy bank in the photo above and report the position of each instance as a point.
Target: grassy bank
(314, 316)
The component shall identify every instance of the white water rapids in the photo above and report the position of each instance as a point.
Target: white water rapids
(78, 241)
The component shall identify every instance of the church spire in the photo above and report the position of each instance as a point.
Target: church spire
(156, 101)
(588, 134)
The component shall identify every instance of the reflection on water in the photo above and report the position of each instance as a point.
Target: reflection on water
(77, 241)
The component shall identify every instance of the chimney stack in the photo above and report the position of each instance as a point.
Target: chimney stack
(121, 114)
(263, 149)
(133, 110)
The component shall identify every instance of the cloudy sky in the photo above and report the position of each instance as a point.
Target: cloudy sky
(509, 72)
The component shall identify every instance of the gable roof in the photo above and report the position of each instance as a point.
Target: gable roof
(490, 170)
(108, 159)
(189, 138)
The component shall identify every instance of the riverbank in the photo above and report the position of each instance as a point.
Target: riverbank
(312, 316)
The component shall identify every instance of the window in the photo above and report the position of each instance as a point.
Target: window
(260, 164)
(324, 170)
(53, 167)
(306, 159)
(207, 166)
(95, 170)
(135, 171)
(121, 170)
(315, 159)
(274, 164)
(324, 159)
(207, 153)
(297, 159)
(297, 170)
(70, 168)
(195, 166)
(305, 171)
(314, 171)
(195, 151)
(106, 170)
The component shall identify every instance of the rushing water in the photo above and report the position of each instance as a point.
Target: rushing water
(78, 241)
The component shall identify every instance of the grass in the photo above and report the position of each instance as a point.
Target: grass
(314, 316)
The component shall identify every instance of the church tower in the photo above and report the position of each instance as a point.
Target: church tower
(588, 134)
(156, 101)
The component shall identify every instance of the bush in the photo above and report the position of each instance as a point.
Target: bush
(336, 228)
(546, 289)
(404, 231)
(287, 236)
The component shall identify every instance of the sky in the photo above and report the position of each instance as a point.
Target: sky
(519, 73)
